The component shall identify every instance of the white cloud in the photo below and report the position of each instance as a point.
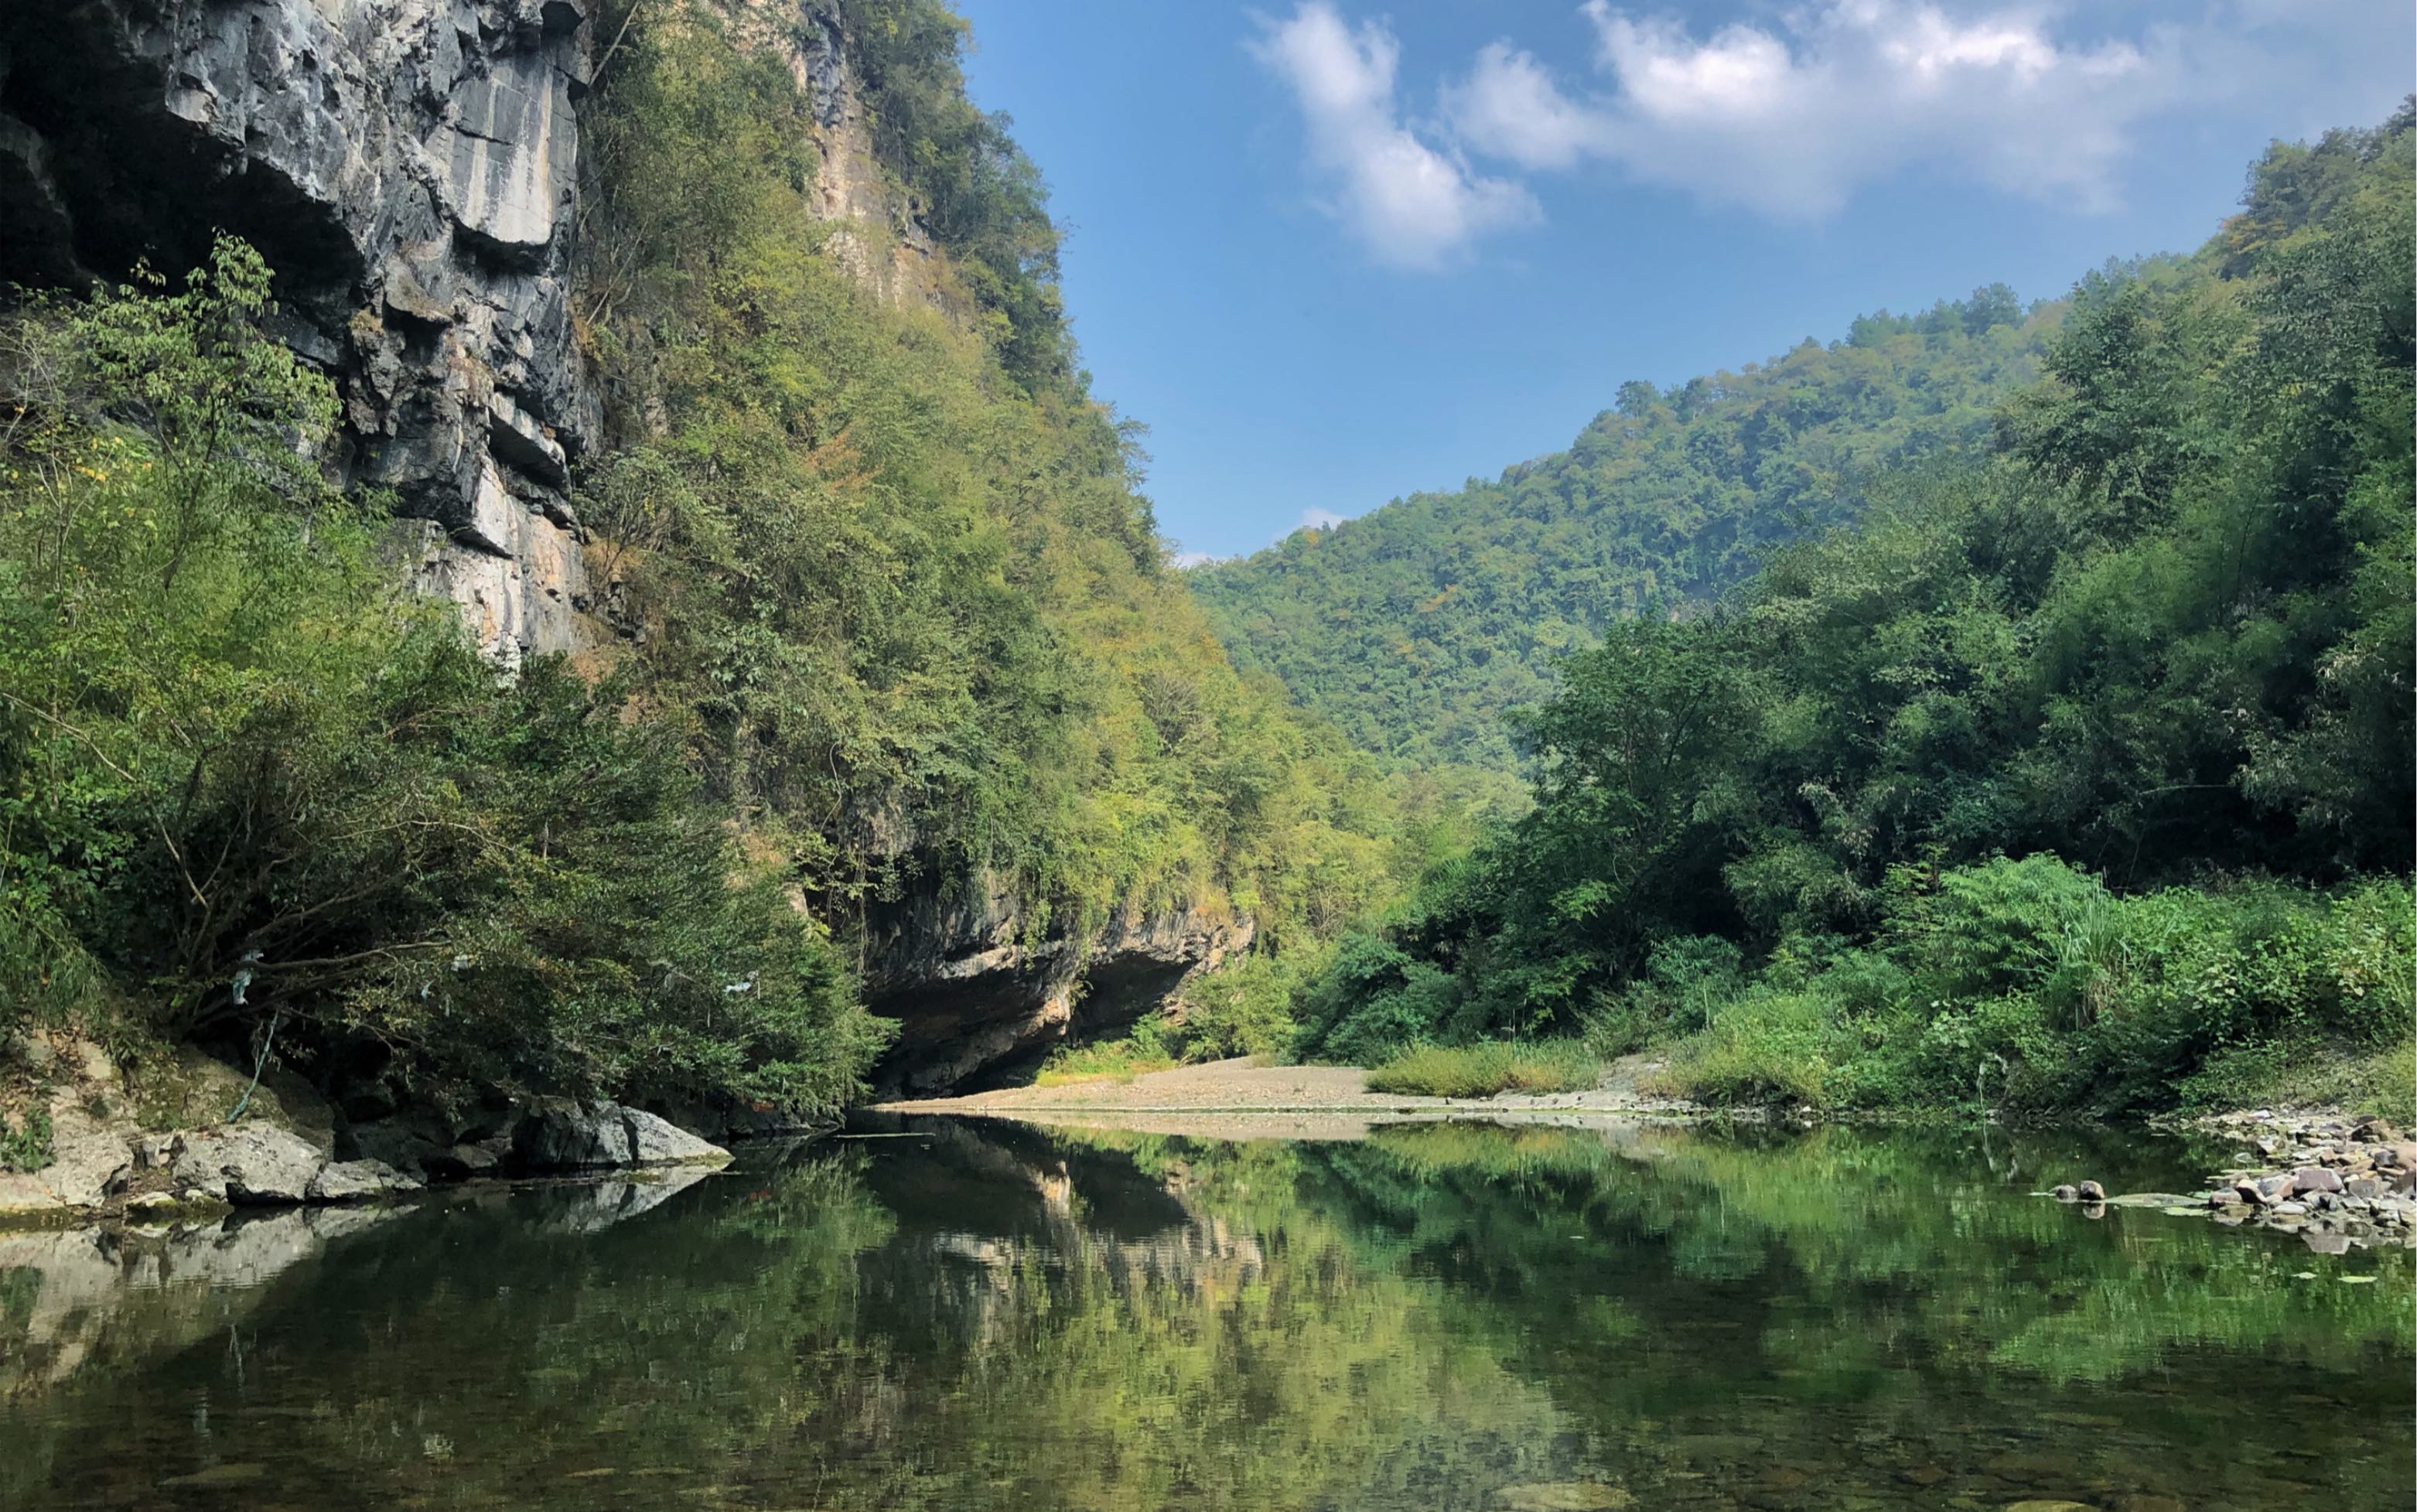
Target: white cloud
(1789, 115)
(1792, 119)
(1413, 204)
(1315, 517)
(1509, 108)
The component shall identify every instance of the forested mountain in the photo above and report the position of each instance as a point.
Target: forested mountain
(1416, 627)
(2078, 775)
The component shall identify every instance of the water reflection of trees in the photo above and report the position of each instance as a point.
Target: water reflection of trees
(986, 1315)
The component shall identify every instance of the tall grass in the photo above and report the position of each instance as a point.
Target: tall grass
(1488, 1070)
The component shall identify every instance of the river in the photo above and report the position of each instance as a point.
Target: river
(976, 1315)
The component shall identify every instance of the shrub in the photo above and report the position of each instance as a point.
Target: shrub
(1488, 1070)
(1245, 1008)
(1685, 977)
(2305, 1073)
(1763, 1048)
(1112, 1060)
(26, 1146)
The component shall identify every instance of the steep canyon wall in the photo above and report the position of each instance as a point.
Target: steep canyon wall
(410, 168)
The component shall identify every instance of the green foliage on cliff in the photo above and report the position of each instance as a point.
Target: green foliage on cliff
(2160, 644)
(250, 789)
(964, 178)
(1417, 627)
(885, 563)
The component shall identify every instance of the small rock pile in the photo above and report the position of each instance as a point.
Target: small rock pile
(2339, 1182)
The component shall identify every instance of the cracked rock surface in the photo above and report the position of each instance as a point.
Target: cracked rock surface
(408, 168)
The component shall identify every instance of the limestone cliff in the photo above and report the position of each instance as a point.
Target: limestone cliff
(410, 168)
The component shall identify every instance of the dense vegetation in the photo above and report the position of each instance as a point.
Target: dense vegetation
(888, 562)
(2080, 776)
(249, 792)
(1416, 628)
(894, 620)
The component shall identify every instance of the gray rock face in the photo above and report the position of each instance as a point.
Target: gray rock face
(408, 168)
(563, 1134)
(654, 1141)
(248, 1163)
(355, 1181)
(554, 1134)
(90, 1157)
(977, 1004)
(572, 1135)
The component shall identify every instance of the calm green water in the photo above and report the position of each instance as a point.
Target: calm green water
(982, 1316)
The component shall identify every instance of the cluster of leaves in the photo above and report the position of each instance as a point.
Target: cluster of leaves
(1416, 628)
(25, 1144)
(888, 569)
(248, 790)
(1143, 1051)
(2164, 634)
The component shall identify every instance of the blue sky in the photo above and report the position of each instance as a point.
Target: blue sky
(1332, 253)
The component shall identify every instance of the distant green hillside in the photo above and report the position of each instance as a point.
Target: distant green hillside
(1415, 626)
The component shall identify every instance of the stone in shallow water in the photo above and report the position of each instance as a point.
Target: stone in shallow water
(240, 1474)
(564, 1135)
(655, 1141)
(1563, 1496)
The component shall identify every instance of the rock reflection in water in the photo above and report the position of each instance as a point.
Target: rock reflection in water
(76, 1299)
(988, 1316)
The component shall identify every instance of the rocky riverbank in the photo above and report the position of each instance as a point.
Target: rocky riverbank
(157, 1143)
(2339, 1182)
